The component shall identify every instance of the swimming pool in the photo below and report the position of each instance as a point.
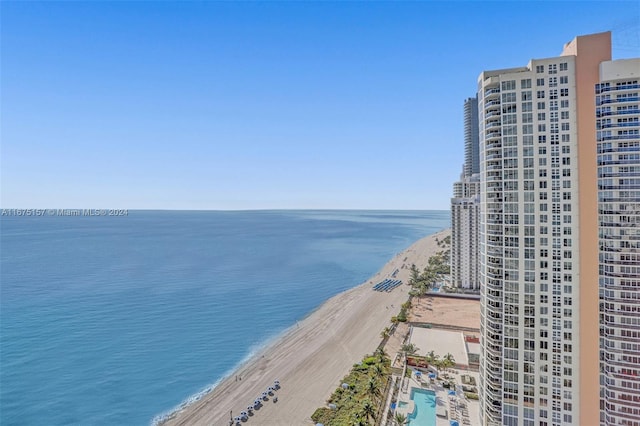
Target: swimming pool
(424, 413)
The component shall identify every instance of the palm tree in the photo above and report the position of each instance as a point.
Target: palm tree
(368, 410)
(377, 370)
(400, 419)
(439, 364)
(385, 332)
(381, 355)
(410, 348)
(359, 420)
(431, 356)
(415, 275)
(448, 361)
(373, 388)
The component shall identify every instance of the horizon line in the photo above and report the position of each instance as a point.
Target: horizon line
(220, 210)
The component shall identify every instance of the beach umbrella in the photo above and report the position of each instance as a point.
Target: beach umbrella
(345, 386)
(454, 423)
(452, 392)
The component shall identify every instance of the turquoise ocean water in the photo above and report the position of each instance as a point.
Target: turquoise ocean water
(117, 320)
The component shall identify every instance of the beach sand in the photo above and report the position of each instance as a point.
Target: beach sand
(311, 357)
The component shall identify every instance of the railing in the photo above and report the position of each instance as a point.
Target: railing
(623, 112)
(618, 137)
(618, 100)
(614, 88)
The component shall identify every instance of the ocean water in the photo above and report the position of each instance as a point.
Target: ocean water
(117, 320)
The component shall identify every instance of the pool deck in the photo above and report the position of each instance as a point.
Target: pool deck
(465, 411)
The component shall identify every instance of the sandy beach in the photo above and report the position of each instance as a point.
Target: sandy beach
(311, 357)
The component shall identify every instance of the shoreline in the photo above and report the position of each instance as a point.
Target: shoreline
(310, 356)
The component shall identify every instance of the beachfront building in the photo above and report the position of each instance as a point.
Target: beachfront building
(618, 128)
(539, 239)
(465, 207)
(465, 214)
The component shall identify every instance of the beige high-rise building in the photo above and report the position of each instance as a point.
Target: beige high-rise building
(618, 137)
(539, 239)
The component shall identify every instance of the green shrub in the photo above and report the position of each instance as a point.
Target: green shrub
(370, 360)
(402, 316)
(323, 415)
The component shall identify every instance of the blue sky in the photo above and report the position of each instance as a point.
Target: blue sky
(244, 105)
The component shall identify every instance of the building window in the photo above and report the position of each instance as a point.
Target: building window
(525, 84)
(509, 85)
(563, 66)
(508, 97)
(540, 94)
(539, 69)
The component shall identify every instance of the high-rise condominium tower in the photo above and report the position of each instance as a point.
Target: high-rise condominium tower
(465, 206)
(471, 144)
(465, 217)
(539, 239)
(618, 127)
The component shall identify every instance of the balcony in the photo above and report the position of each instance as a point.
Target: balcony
(619, 100)
(617, 88)
(492, 91)
(493, 134)
(623, 112)
(620, 125)
(618, 137)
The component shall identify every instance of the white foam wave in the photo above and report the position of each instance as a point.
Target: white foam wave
(254, 351)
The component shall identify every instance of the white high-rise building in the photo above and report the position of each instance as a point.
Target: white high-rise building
(465, 207)
(539, 239)
(618, 137)
(465, 215)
